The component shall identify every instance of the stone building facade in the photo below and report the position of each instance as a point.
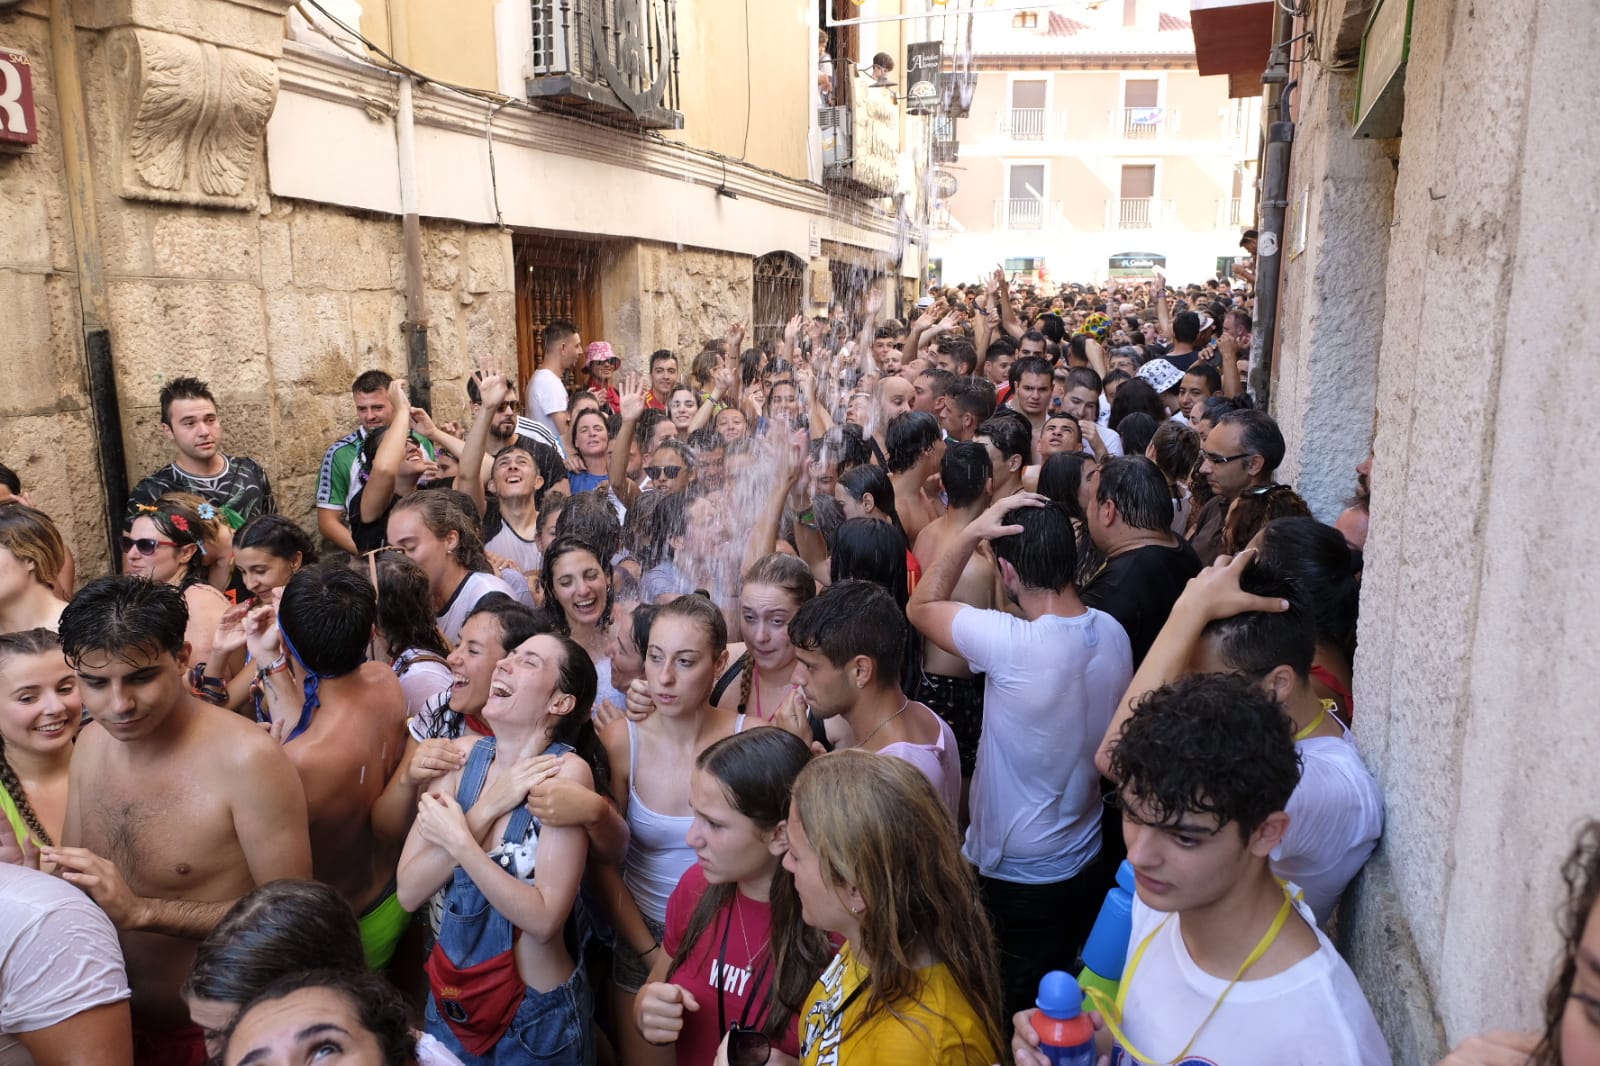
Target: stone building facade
(1443, 312)
(243, 197)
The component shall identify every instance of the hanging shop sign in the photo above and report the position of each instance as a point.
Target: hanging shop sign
(19, 125)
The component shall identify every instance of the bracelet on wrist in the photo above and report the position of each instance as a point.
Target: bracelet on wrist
(277, 666)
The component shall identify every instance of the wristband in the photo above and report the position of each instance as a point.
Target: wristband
(278, 666)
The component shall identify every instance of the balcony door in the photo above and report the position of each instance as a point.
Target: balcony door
(1141, 108)
(1136, 208)
(1025, 195)
(1027, 118)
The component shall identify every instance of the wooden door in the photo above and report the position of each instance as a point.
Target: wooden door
(556, 278)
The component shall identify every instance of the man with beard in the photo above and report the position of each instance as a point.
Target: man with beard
(1352, 521)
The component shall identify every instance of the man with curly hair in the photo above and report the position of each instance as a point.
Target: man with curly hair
(1225, 962)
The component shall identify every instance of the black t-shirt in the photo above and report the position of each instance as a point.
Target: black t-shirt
(1138, 589)
(369, 536)
(242, 489)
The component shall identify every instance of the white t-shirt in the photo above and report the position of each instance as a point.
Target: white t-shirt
(1312, 1014)
(1049, 691)
(1109, 437)
(476, 586)
(1335, 819)
(61, 957)
(547, 396)
(421, 679)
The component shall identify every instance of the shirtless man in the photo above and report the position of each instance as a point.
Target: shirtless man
(914, 452)
(948, 684)
(346, 741)
(894, 396)
(175, 808)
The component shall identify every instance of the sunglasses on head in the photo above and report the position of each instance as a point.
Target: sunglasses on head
(144, 545)
(655, 472)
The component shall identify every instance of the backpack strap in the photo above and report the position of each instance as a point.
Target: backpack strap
(727, 677)
(475, 773)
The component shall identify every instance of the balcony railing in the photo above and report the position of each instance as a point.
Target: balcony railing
(616, 59)
(1141, 213)
(1025, 213)
(1144, 123)
(1233, 211)
(1024, 123)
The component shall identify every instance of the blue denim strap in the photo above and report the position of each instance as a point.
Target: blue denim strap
(475, 772)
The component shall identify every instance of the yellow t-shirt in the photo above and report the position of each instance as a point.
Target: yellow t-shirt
(939, 1029)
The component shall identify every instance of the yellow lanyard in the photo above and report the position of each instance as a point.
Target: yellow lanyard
(1111, 1009)
(1327, 709)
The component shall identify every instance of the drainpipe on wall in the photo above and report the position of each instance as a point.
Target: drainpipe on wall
(1274, 205)
(93, 304)
(415, 326)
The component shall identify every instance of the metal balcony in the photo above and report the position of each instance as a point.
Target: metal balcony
(613, 59)
(1144, 123)
(1024, 213)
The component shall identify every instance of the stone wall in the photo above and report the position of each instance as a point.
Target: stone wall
(1474, 675)
(278, 306)
(660, 296)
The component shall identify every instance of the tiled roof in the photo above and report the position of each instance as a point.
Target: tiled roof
(1092, 27)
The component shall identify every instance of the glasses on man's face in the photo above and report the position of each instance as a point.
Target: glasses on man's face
(144, 545)
(655, 473)
(1223, 460)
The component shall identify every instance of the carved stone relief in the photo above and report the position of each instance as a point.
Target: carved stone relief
(195, 118)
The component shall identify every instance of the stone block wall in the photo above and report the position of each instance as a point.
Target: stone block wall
(277, 307)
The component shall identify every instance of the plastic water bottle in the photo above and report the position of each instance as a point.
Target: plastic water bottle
(1066, 1035)
(1106, 951)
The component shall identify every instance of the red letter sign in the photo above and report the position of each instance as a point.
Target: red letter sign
(18, 122)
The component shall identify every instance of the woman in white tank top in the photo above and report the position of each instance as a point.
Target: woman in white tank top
(687, 652)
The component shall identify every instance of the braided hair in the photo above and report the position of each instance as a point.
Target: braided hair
(27, 642)
(787, 572)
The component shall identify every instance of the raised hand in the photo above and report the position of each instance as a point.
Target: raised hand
(874, 302)
(631, 398)
(494, 388)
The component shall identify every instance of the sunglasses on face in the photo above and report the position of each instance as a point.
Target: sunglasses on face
(655, 472)
(144, 545)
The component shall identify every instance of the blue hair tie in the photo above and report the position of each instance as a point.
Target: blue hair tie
(313, 682)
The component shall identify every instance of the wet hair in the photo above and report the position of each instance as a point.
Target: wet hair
(1030, 364)
(1136, 396)
(25, 642)
(1137, 431)
(562, 546)
(850, 618)
(974, 396)
(964, 471)
(697, 608)
(1052, 326)
(1177, 450)
(442, 515)
(374, 1001)
(557, 331)
(874, 551)
(703, 440)
(662, 355)
(184, 389)
(939, 381)
(517, 621)
(1213, 408)
(283, 927)
(1061, 478)
(757, 769)
(371, 381)
(909, 436)
(278, 536)
(1256, 643)
(1318, 561)
(878, 825)
(1207, 744)
(577, 678)
(405, 617)
(1140, 492)
(1044, 555)
(327, 613)
(1083, 377)
(965, 355)
(1011, 437)
(865, 480)
(1581, 875)
(590, 518)
(846, 443)
(9, 479)
(121, 615)
(33, 538)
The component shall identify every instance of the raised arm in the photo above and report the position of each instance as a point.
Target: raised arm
(631, 400)
(1229, 347)
(764, 537)
(869, 324)
(933, 608)
(1008, 314)
(1097, 356)
(1213, 593)
(470, 478)
(385, 472)
(1158, 293)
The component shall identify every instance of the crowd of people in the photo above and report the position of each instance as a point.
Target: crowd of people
(889, 643)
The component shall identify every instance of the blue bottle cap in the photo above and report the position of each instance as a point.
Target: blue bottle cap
(1059, 996)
